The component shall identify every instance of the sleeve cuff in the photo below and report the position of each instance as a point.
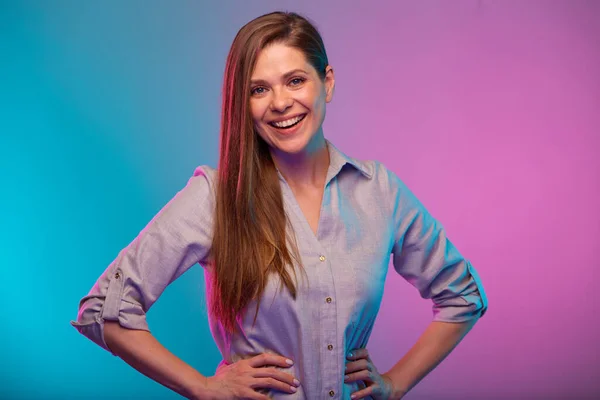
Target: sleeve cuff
(130, 317)
(95, 309)
(464, 307)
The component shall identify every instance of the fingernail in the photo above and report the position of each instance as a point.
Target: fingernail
(296, 382)
(350, 355)
(352, 396)
(346, 377)
(290, 362)
(293, 389)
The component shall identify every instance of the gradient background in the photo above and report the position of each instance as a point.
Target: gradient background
(489, 110)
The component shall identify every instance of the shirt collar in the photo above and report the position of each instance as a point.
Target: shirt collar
(337, 160)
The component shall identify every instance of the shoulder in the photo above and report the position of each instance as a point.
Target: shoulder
(204, 178)
(393, 190)
(389, 178)
(205, 171)
(378, 180)
(380, 174)
(199, 190)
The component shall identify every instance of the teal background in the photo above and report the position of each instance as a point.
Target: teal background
(487, 109)
(106, 108)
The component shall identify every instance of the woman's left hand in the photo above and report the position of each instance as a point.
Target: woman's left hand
(360, 368)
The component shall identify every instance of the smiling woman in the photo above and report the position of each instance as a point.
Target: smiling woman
(295, 237)
(288, 99)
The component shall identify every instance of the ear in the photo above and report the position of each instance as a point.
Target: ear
(329, 83)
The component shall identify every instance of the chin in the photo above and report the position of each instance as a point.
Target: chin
(292, 146)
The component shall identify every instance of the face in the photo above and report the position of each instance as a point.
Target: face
(287, 99)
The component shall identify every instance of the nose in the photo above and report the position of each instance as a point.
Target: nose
(281, 101)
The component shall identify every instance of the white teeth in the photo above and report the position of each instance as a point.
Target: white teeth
(284, 124)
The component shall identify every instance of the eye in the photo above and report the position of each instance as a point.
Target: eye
(257, 90)
(297, 81)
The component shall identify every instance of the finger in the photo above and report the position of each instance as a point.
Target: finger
(277, 374)
(358, 365)
(270, 359)
(253, 395)
(364, 375)
(272, 383)
(361, 394)
(357, 354)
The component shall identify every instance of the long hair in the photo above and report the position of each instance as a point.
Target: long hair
(250, 236)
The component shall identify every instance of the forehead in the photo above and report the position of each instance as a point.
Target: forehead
(277, 59)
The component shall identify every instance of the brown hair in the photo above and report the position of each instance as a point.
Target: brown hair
(250, 235)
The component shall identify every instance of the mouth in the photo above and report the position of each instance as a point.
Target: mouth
(288, 124)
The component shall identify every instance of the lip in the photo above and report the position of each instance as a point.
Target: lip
(286, 118)
(289, 131)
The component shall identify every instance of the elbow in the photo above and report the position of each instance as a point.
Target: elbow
(460, 309)
(89, 322)
(112, 332)
(109, 333)
(107, 313)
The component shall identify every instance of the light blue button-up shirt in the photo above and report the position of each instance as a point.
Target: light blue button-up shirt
(367, 214)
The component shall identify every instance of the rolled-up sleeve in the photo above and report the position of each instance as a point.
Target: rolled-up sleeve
(176, 238)
(423, 255)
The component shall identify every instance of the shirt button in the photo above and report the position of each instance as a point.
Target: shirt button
(331, 393)
(330, 347)
(322, 258)
(328, 300)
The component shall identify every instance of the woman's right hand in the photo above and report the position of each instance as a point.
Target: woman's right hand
(242, 379)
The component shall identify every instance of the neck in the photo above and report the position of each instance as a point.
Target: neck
(307, 168)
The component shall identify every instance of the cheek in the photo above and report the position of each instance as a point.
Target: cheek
(318, 106)
(312, 100)
(257, 110)
(318, 98)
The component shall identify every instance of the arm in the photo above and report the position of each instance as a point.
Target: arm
(143, 352)
(425, 257)
(241, 380)
(113, 313)
(438, 340)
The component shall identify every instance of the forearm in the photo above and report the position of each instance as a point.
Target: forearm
(143, 352)
(438, 340)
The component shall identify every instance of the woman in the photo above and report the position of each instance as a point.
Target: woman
(295, 238)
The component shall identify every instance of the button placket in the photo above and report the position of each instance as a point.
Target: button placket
(329, 314)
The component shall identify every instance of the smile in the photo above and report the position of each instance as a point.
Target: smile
(288, 123)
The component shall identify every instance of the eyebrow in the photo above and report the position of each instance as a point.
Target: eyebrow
(285, 76)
